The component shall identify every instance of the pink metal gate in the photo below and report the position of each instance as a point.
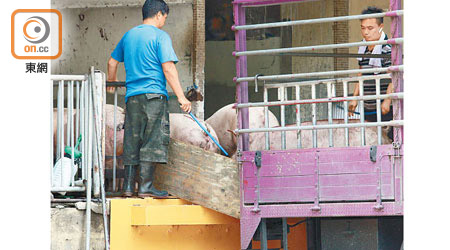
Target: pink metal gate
(366, 180)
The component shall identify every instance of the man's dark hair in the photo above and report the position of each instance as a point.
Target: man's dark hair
(152, 7)
(373, 10)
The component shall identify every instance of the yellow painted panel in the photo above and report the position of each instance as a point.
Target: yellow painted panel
(156, 215)
(125, 236)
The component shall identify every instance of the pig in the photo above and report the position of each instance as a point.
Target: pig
(185, 129)
(354, 135)
(224, 122)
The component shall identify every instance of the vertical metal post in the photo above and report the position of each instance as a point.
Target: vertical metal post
(285, 238)
(263, 234)
(83, 129)
(314, 118)
(115, 140)
(61, 150)
(241, 71)
(70, 128)
(283, 118)
(330, 115)
(266, 118)
(77, 114)
(361, 105)
(89, 164)
(58, 122)
(298, 117)
(345, 85)
(52, 141)
(377, 92)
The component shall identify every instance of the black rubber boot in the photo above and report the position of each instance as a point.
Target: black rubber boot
(146, 187)
(129, 181)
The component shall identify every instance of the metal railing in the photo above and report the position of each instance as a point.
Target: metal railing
(330, 99)
(79, 114)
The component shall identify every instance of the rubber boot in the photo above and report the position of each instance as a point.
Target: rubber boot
(129, 181)
(146, 187)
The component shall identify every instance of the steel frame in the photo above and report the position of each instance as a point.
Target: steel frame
(251, 216)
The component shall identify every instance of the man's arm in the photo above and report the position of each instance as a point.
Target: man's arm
(112, 74)
(386, 104)
(353, 104)
(171, 73)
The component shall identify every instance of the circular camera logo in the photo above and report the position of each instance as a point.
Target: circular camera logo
(36, 29)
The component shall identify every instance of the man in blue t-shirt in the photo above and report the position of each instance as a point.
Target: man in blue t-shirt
(149, 61)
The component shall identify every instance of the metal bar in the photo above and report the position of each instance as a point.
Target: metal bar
(318, 20)
(285, 232)
(320, 100)
(343, 55)
(361, 105)
(89, 165)
(345, 86)
(67, 77)
(348, 79)
(83, 129)
(377, 91)
(314, 117)
(58, 123)
(52, 134)
(115, 141)
(298, 117)
(317, 74)
(283, 118)
(324, 126)
(315, 47)
(70, 125)
(330, 115)
(77, 114)
(68, 189)
(263, 234)
(266, 118)
(61, 151)
(98, 143)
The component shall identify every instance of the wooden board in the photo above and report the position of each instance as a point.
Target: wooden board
(201, 177)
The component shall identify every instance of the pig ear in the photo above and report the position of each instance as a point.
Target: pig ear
(232, 132)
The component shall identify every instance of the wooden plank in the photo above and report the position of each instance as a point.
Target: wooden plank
(201, 177)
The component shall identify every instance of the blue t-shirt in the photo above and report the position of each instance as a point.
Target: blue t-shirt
(144, 49)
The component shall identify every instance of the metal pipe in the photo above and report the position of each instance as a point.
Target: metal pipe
(58, 122)
(70, 125)
(68, 77)
(97, 140)
(77, 115)
(378, 101)
(345, 86)
(320, 100)
(68, 189)
(361, 105)
(308, 83)
(83, 130)
(314, 118)
(115, 140)
(325, 126)
(330, 115)
(52, 141)
(318, 74)
(318, 20)
(283, 119)
(315, 47)
(298, 117)
(266, 116)
(62, 132)
(89, 166)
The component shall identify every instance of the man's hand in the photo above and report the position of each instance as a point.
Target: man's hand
(352, 107)
(385, 106)
(185, 104)
(110, 90)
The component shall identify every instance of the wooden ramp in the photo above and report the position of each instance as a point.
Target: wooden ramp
(201, 177)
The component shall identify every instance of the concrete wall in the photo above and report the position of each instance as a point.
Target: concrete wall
(68, 229)
(220, 69)
(92, 29)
